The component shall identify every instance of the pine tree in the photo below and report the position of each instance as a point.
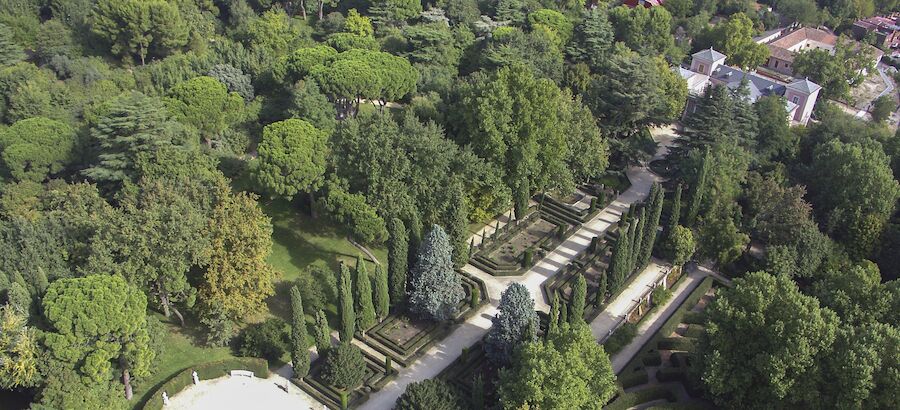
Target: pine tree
(512, 11)
(322, 333)
(10, 52)
(675, 214)
(436, 288)
(348, 315)
(299, 347)
(458, 225)
(553, 323)
(382, 298)
(592, 40)
(579, 299)
(654, 211)
(638, 238)
(398, 248)
(698, 190)
(365, 310)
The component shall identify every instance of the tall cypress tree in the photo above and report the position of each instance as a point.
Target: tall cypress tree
(579, 300)
(633, 248)
(458, 225)
(620, 257)
(553, 322)
(675, 214)
(365, 310)
(398, 259)
(638, 238)
(299, 346)
(563, 312)
(415, 232)
(601, 288)
(654, 211)
(348, 315)
(382, 296)
(322, 333)
(698, 190)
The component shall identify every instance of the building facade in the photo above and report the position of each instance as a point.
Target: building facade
(708, 68)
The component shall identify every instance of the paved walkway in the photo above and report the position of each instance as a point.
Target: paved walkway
(442, 354)
(652, 323)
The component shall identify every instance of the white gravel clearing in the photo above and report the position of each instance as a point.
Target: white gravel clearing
(237, 392)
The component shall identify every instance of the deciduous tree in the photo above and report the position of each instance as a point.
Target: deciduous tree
(344, 366)
(568, 370)
(763, 316)
(429, 394)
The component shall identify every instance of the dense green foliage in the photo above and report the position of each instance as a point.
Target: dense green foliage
(138, 136)
(436, 288)
(430, 394)
(569, 370)
(515, 323)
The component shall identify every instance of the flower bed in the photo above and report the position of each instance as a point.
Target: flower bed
(376, 377)
(404, 339)
(517, 261)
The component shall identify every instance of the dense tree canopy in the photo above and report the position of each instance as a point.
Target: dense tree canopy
(569, 370)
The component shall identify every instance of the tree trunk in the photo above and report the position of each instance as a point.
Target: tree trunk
(312, 205)
(164, 300)
(364, 250)
(178, 314)
(303, 8)
(126, 378)
(321, 6)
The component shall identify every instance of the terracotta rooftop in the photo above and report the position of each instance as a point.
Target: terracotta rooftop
(805, 33)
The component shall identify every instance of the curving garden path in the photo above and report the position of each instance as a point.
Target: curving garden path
(444, 353)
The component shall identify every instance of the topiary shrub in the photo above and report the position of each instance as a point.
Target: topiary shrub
(432, 394)
(267, 340)
(344, 367)
(527, 258)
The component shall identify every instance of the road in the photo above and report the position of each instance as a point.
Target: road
(444, 353)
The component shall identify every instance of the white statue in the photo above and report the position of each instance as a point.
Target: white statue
(196, 379)
(165, 399)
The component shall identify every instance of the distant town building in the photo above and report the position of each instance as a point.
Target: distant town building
(646, 3)
(708, 68)
(784, 44)
(885, 28)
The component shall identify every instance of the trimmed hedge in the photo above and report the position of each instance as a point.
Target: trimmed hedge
(629, 400)
(676, 343)
(652, 359)
(634, 379)
(694, 331)
(205, 371)
(694, 318)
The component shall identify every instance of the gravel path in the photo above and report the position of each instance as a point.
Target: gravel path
(238, 392)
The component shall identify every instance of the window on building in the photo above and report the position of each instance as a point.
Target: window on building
(776, 63)
(702, 68)
(796, 100)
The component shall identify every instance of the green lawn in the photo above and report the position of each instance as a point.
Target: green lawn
(298, 241)
(180, 352)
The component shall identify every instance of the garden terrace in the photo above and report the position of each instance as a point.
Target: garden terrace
(376, 377)
(519, 245)
(210, 370)
(592, 265)
(666, 358)
(567, 212)
(405, 339)
(462, 372)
